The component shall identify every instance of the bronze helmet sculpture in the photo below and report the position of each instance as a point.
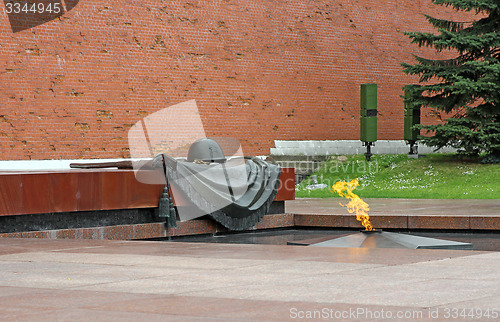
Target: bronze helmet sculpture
(206, 150)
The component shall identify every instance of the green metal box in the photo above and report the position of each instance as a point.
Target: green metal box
(368, 129)
(368, 120)
(411, 116)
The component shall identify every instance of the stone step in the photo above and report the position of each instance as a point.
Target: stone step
(342, 147)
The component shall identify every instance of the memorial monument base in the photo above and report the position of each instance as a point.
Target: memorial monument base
(383, 239)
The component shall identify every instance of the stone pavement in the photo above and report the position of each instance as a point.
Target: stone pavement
(73, 280)
(481, 214)
(397, 206)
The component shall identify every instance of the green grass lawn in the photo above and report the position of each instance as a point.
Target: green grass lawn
(437, 176)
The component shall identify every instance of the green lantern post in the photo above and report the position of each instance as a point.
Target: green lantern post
(368, 120)
(411, 118)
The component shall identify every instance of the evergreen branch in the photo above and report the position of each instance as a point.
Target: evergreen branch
(449, 25)
(487, 6)
(440, 62)
(469, 40)
(485, 25)
(421, 38)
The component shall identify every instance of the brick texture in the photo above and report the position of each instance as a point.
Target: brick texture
(259, 70)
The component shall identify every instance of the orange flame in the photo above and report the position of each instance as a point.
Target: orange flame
(356, 204)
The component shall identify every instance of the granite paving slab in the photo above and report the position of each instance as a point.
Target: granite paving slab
(139, 280)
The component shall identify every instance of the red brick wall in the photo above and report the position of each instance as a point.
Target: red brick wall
(260, 70)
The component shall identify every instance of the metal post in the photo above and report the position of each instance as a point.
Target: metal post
(368, 153)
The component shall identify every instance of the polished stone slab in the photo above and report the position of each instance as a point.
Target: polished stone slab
(385, 213)
(45, 192)
(397, 206)
(325, 213)
(383, 239)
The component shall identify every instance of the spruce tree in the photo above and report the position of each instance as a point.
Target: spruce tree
(466, 87)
